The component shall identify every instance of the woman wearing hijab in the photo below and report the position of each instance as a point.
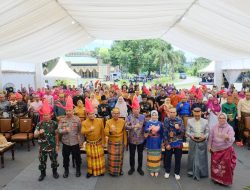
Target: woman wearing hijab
(223, 157)
(79, 110)
(164, 108)
(214, 109)
(122, 105)
(94, 102)
(154, 133)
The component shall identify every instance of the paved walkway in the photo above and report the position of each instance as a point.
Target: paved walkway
(27, 178)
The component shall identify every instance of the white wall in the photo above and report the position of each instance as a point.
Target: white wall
(18, 78)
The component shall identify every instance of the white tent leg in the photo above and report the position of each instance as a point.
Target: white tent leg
(39, 80)
(218, 77)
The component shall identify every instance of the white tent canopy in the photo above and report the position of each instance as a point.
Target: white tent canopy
(208, 69)
(62, 71)
(38, 30)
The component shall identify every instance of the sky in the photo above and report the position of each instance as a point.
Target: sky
(107, 44)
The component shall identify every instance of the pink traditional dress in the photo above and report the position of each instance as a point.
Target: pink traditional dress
(223, 157)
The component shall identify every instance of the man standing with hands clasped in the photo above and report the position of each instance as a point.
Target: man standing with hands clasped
(197, 133)
(173, 138)
(135, 126)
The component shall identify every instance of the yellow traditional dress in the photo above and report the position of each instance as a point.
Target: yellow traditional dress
(117, 140)
(94, 146)
(80, 111)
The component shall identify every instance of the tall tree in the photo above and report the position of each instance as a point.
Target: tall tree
(102, 53)
(198, 64)
(137, 56)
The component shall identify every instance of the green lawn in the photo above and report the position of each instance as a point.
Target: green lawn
(162, 80)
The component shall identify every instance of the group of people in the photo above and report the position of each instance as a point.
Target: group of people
(160, 118)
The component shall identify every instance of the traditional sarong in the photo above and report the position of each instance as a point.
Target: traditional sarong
(153, 160)
(95, 158)
(115, 157)
(223, 163)
(197, 159)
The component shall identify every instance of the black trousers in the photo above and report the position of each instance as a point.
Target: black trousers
(76, 154)
(168, 157)
(132, 148)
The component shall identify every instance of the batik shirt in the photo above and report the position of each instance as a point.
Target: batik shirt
(173, 136)
(135, 126)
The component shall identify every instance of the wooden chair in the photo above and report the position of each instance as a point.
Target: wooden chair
(25, 133)
(6, 128)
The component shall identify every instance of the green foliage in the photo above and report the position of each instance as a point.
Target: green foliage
(138, 56)
(103, 54)
(198, 64)
(65, 82)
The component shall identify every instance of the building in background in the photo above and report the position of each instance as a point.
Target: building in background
(85, 65)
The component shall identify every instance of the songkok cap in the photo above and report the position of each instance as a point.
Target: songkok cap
(197, 109)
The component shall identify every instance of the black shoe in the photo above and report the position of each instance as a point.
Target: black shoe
(121, 173)
(78, 173)
(101, 175)
(131, 171)
(140, 171)
(55, 174)
(42, 176)
(66, 173)
(88, 175)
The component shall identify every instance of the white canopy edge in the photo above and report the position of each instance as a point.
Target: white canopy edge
(208, 69)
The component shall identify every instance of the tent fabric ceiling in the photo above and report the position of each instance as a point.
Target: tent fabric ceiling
(39, 30)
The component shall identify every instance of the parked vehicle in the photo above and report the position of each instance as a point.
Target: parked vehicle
(182, 76)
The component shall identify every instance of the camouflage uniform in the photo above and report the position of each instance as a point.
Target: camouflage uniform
(47, 143)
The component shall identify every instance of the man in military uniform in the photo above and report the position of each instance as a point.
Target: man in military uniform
(20, 109)
(103, 108)
(48, 139)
